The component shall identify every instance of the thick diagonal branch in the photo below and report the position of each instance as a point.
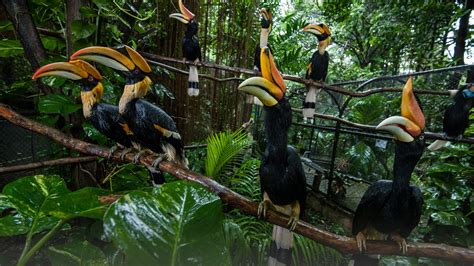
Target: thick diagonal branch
(342, 243)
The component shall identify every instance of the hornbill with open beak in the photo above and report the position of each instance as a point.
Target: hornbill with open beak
(152, 127)
(104, 117)
(317, 69)
(282, 179)
(191, 49)
(393, 207)
(456, 116)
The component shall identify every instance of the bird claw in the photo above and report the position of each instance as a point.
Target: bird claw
(158, 160)
(196, 61)
(262, 209)
(402, 243)
(124, 153)
(292, 222)
(111, 151)
(360, 238)
(137, 156)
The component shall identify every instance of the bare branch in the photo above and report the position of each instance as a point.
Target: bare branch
(342, 243)
(36, 165)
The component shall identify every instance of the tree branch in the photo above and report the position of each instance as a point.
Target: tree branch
(342, 243)
(152, 58)
(36, 165)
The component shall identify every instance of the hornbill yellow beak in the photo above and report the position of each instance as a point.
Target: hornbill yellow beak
(260, 88)
(77, 70)
(271, 73)
(113, 58)
(321, 31)
(61, 69)
(270, 88)
(185, 16)
(412, 122)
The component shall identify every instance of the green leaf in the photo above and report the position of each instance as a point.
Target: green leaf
(81, 203)
(94, 134)
(222, 148)
(76, 253)
(443, 204)
(6, 25)
(9, 48)
(52, 43)
(57, 104)
(179, 224)
(82, 30)
(28, 196)
(455, 218)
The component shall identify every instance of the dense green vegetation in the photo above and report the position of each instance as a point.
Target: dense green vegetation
(53, 218)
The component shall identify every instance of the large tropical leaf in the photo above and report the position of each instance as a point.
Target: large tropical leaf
(57, 104)
(178, 224)
(222, 148)
(27, 197)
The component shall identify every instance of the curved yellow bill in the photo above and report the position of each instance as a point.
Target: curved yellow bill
(87, 67)
(271, 73)
(186, 13)
(61, 69)
(260, 87)
(179, 17)
(106, 56)
(138, 59)
(313, 28)
(401, 127)
(410, 108)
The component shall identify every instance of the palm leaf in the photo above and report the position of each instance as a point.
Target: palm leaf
(223, 148)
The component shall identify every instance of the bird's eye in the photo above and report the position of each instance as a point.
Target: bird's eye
(422, 137)
(136, 71)
(90, 78)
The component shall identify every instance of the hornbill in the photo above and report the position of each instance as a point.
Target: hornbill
(191, 49)
(152, 127)
(104, 117)
(393, 207)
(456, 116)
(282, 179)
(317, 69)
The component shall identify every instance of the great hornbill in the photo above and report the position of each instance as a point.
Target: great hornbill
(104, 117)
(282, 178)
(152, 127)
(317, 69)
(191, 49)
(393, 207)
(456, 116)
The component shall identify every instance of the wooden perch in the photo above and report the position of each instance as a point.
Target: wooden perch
(152, 58)
(428, 135)
(342, 243)
(36, 165)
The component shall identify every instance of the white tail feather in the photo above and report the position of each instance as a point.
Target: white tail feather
(283, 239)
(438, 144)
(310, 103)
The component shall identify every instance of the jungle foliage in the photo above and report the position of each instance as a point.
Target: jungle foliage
(59, 221)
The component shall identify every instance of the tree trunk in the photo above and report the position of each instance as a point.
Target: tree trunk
(72, 13)
(463, 30)
(23, 23)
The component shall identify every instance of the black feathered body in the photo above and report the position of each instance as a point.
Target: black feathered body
(107, 120)
(147, 122)
(191, 49)
(456, 116)
(318, 67)
(393, 206)
(281, 172)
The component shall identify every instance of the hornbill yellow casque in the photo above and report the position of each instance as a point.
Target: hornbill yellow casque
(393, 207)
(104, 117)
(191, 49)
(456, 116)
(282, 178)
(317, 69)
(152, 127)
